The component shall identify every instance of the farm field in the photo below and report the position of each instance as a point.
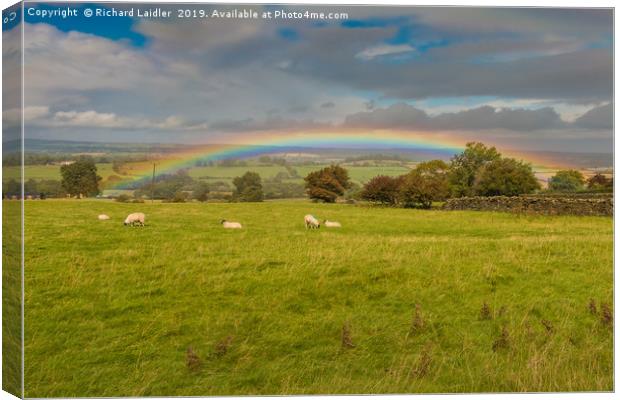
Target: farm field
(46, 172)
(112, 310)
(359, 174)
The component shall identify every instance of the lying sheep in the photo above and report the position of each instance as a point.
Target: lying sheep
(332, 224)
(135, 219)
(103, 217)
(230, 225)
(311, 222)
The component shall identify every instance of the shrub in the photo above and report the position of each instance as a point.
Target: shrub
(122, 198)
(600, 182)
(569, 180)
(180, 197)
(382, 189)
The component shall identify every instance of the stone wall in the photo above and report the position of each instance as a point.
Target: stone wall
(535, 205)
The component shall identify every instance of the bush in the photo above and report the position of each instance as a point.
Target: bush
(600, 182)
(382, 189)
(569, 180)
(122, 198)
(180, 197)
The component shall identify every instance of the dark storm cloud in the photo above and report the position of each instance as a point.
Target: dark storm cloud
(261, 75)
(407, 117)
(403, 116)
(268, 124)
(560, 55)
(597, 118)
(584, 74)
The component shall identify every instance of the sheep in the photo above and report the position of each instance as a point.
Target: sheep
(103, 217)
(230, 225)
(332, 224)
(311, 222)
(135, 219)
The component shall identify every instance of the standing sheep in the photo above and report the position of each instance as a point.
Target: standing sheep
(135, 219)
(311, 222)
(230, 225)
(103, 217)
(332, 224)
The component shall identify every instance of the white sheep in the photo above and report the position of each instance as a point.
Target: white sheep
(103, 217)
(135, 219)
(332, 224)
(311, 222)
(230, 225)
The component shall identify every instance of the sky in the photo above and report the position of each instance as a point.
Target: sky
(519, 78)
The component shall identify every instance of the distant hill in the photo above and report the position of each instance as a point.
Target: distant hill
(548, 158)
(571, 159)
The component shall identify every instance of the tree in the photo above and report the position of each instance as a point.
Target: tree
(80, 178)
(505, 177)
(327, 184)
(180, 197)
(568, 180)
(600, 182)
(201, 191)
(382, 189)
(248, 187)
(464, 167)
(167, 185)
(426, 183)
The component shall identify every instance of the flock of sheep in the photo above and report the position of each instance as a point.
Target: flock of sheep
(137, 219)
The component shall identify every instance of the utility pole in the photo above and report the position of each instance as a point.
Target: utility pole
(153, 184)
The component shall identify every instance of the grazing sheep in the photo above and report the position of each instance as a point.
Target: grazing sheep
(230, 225)
(311, 222)
(103, 217)
(332, 224)
(135, 219)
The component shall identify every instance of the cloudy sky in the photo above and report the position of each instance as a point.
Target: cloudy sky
(534, 79)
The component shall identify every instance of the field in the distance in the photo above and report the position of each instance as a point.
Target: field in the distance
(112, 310)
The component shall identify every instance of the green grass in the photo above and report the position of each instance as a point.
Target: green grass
(50, 172)
(358, 174)
(11, 298)
(112, 310)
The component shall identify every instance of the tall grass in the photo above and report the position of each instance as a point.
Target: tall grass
(390, 303)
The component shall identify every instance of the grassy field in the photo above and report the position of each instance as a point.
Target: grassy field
(49, 172)
(359, 174)
(112, 310)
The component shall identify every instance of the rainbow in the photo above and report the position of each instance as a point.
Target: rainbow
(251, 145)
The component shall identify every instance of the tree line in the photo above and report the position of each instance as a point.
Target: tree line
(477, 171)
